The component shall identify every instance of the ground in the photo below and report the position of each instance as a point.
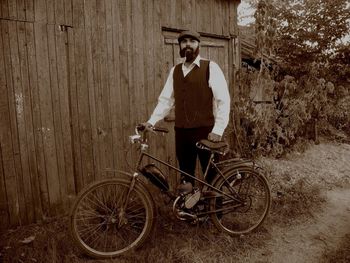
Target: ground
(309, 222)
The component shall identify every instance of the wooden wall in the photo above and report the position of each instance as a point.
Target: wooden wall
(76, 76)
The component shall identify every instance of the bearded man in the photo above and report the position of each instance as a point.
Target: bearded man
(198, 90)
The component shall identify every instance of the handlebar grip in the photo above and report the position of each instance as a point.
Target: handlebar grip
(160, 129)
(141, 128)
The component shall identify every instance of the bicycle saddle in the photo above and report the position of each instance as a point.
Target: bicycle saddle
(214, 146)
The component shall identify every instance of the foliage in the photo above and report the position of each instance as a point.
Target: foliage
(292, 116)
(308, 86)
(265, 29)
(309, 31)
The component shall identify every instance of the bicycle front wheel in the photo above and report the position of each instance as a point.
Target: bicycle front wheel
(249, 205)
(104, 224)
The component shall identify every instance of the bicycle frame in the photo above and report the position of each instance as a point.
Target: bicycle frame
(211, 162)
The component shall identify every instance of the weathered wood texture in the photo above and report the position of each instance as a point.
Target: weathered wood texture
(75, 78)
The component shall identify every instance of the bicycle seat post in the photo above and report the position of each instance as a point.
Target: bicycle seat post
(210, 161)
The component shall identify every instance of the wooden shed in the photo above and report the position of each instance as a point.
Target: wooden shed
(76, 76)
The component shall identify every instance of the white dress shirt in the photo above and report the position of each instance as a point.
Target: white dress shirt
(221, 96)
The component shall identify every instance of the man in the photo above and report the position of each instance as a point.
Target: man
(198, 90)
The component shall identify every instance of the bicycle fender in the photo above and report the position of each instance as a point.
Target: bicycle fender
(128, 175)
(240, 167)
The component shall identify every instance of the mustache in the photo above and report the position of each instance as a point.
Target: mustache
(186, 50)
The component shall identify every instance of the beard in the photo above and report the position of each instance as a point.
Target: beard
(189, 53)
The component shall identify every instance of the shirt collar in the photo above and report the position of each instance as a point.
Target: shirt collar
(195, 62)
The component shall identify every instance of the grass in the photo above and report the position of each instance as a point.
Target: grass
(340, 255)
(296, 195)
(171, 240)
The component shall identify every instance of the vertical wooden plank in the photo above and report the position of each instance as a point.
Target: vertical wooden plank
(68, 12)
(149, 56)
(59, 12)
(17, 119)
(12, 7)
(82, 93)
(50, 10)
(78, 13)
(6, 148)
(226, 17)
(21, 10)
(40, 14)
(4, 8)
(4, 214)
(138, 62)
(89, 9)
(56, 114)
(96, 35)
(171, 13)
(48, 129)
(187, 18)
(34, 193)
(124, 28)
(233, 29)
(24, 121)
(168, 142)
(97, 87)
(9, 133)
(64, 109)
(216, 16)
(165, 12)
(112, 22)
(39, 181)
(73, 104)
(158, 45)
(178, 23)
(104, 106)
(29, 6)
(201, 13)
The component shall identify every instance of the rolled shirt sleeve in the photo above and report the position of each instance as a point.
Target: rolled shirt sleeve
(166, 100)
(221, 100)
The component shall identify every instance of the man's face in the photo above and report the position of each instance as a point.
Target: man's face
(189, 48)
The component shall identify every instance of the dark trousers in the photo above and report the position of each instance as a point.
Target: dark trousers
(187, 152)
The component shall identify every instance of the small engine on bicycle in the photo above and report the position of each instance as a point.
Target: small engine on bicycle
(188, 204)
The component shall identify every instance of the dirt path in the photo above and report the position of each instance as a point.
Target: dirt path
(308, 241)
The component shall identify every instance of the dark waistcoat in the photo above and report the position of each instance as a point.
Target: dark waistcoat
(193, 97)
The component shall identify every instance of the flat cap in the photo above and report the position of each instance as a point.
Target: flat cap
(189, 33)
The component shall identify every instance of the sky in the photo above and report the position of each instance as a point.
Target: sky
(245, 13)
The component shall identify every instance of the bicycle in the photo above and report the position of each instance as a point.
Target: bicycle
(113, 216)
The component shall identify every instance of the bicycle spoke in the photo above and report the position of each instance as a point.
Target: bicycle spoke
(242, 216)
(91, 230)
(101, 226)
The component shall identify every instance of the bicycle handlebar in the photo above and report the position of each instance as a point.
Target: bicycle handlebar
(141, 128)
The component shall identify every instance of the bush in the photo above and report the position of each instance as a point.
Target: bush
(275, 115)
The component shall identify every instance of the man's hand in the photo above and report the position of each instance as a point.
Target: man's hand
(148, 126)
(214, 137)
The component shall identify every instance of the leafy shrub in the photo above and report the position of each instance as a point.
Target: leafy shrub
(287, 112)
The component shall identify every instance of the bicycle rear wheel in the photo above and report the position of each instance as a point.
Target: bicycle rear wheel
(101, 225)
(250, 205)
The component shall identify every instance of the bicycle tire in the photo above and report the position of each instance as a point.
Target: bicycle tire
(95, 222)
(237, 218)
